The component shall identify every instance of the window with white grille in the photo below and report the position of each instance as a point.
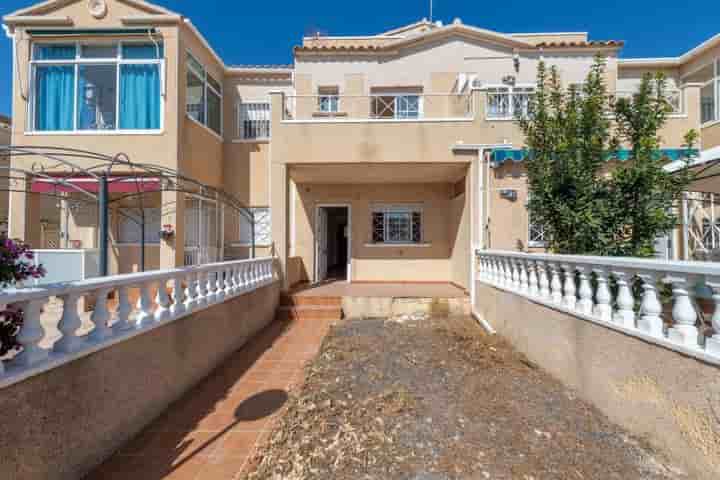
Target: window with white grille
(254, 121)
(328, 99)
(505, 102)
(397, 224)
(262, 226)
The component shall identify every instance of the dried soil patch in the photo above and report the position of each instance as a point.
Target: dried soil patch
(437, 399)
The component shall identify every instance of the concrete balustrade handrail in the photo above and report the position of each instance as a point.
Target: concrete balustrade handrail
(192, 289)
(564, 282)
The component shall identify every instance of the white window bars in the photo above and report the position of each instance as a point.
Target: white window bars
(253, 122)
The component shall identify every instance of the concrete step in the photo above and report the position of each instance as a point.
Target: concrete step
(310, 301)
(308, 312)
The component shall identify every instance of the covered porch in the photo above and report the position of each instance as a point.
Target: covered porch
(378, 222)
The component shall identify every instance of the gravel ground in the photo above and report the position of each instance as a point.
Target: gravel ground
(437, 399)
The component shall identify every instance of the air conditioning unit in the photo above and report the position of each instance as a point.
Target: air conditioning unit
(509, 80)
(509, 194)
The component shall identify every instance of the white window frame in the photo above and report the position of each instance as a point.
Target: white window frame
(395, 96)
(537, 227)
(715, 83)
(510, 92)
(203, 76)
(387, 209)
(259, 214)
(241, 111)
(76, 63)
(328, 102)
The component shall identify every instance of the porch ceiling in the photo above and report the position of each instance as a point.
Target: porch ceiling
(378, 172)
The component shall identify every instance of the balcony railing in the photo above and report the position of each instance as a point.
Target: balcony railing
(501, 104)
(385, 107)
(601, 290)
(180, 292)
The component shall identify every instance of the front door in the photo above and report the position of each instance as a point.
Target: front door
(322, 244)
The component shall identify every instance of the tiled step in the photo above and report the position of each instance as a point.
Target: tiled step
(310, 301)
(309, 312)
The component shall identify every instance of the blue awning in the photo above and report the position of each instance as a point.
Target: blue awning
(500, 156)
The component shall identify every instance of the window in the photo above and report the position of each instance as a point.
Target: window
(710, 236)
(505, 102)
(398, 106)
(203, 96)
(262, 227)
(254, 121)
(103, 87)
(328, 99)
(536, 232)
(130, 225)
(397, 224)
(708, 100)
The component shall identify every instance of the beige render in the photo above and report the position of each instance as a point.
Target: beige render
(313, 160)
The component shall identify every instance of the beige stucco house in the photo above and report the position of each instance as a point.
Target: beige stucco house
(385, 157)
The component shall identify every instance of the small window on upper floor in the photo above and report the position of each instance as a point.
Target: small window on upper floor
(253, 120)
(96, 87)
(203, 96)
(328, 98)
(403, 103)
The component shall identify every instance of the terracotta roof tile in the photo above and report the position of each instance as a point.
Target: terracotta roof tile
(589, 44)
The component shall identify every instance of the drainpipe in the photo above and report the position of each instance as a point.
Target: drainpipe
(480, 218)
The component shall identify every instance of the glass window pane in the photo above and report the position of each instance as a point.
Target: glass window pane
(707, 103)
(54, 97)
(97, 97)
(378, 227)
(142, 51)
(140, 99)
(214, 84)
(195, 97)
(214, 112)
(398, 227)
(54, 52)
(98, 51)
(195, 65)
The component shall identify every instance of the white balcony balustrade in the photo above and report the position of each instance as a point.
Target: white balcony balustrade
(618, 292)
(179, 292)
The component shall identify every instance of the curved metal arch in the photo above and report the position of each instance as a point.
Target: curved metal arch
(60, 165)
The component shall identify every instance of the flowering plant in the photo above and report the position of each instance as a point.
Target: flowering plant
(16, 265)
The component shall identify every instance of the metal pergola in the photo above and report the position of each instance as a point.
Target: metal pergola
(59, 167)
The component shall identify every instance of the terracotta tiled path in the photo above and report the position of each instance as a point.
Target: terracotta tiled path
(211, 432)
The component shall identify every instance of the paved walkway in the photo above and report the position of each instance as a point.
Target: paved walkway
(212, 431)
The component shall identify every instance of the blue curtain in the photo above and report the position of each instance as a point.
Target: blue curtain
(54, 52)
(140, 97)
(142, 52)
(54, 98)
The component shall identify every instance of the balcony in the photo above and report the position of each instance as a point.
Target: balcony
(382, 108)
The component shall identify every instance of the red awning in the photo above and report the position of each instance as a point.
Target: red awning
(115, 185)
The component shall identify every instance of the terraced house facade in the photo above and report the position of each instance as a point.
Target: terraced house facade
(384, 157)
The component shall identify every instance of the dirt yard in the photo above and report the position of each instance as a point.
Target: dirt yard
(439, 400)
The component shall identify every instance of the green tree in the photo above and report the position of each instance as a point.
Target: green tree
(589, 201)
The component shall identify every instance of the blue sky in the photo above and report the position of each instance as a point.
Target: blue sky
(260, 32)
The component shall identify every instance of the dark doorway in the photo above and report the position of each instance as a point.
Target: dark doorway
(333, 239)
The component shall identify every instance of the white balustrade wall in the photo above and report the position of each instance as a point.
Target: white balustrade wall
(581, 285)
(190, 289)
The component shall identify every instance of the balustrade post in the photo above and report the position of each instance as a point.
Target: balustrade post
(507, 273)
(493, 277)
(533, 278)
(543, 281)
(178, 306)
(31, 334)
(191, 292)
(229, 288)
(712, 344)
(123, 311)
(650, 320)
(603, 296)
(162, 312)
(211, 294)
(101, 317)
(570, 297)
(585, 304)
(220, 286)
(684, 315)
(555, 284)
(200, 299)
(625, 314)
(515, 285)
(69, 324)
(524, 279)
(144, 305)
(236, 283)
